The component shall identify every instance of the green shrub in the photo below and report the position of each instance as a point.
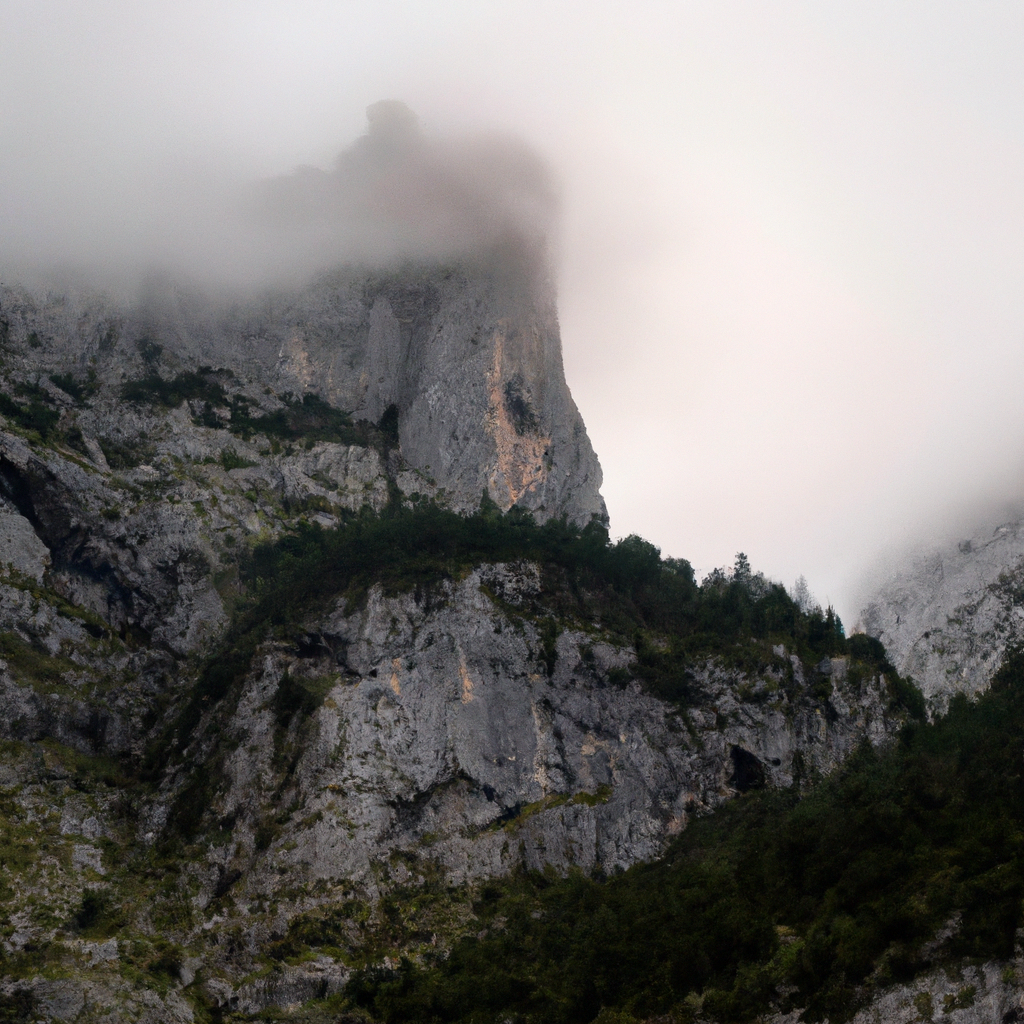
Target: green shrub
(307, 419)
(35, 416)
(43, 671)
(98, 915)
(79, 390)
(127, 454)
(19, 1004)
(202, 385)
(230, 459)
(297, 695)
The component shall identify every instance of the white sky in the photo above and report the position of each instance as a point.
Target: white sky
(792, 258)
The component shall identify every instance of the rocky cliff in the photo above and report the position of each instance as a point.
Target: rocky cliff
(170, 840)
(465, 360)
(948, 616)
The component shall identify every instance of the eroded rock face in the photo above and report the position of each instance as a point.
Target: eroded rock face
(444, 740)
(135, 511)
(468, 358)
(971, 994)
(948, 616)
(481, 398)
(20, 547)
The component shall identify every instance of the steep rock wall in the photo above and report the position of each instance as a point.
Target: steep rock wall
(947, 617)
(443, 739)
(449, 741)
(469, 357)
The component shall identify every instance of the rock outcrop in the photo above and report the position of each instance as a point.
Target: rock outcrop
(444, 738)
(972, 994)
(467, 360)
(948, 616)
(413, 745)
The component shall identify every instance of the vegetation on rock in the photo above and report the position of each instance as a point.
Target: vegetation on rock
(814, 897)
(308, 419)
(810, 897)
(624, 588)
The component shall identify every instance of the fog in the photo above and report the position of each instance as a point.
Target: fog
(395, 194)
(789, 242)
(398, 194)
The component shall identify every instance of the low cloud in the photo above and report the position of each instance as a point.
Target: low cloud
(397, 194)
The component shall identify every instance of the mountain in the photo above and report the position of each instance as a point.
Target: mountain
(325, 695)
(310, 627)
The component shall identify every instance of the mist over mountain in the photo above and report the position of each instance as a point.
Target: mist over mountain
(803, 215)
(396, 195)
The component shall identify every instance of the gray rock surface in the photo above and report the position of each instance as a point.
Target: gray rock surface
(442, 739)
(990, 993)
(469, 357)
(289, 987)
(947, 617)
(20, 547)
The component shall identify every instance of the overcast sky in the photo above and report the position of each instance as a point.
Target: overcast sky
(791, 261)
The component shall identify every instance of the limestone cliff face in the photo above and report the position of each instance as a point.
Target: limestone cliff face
(469, 358)
(474, 369)
(948, 616)
(447, 747)
(445, 743)
(969, 994)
